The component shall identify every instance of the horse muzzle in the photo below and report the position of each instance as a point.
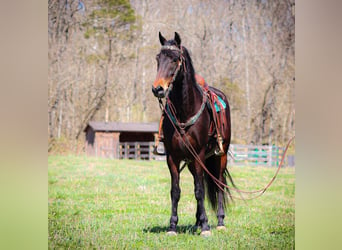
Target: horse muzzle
(158, 91)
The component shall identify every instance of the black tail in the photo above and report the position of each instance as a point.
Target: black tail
(212, 188)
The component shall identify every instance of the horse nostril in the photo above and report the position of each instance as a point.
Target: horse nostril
(158, 91)
(154, 90)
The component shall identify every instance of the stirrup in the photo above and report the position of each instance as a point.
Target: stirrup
(159, 149)
(219, 151)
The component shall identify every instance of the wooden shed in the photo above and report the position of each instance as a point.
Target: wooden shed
(120, 140)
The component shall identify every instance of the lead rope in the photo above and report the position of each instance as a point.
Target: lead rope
(220, 184)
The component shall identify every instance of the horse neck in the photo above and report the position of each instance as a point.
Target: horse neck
(186, 97)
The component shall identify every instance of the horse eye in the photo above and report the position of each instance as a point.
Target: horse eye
(175, 59)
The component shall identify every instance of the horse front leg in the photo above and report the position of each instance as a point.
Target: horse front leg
(175, 194)
(201, 216)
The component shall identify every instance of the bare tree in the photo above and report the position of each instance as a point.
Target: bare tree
(102, 61)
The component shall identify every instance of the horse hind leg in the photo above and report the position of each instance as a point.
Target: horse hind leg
(221, 163)
(215, 193)
(220, 211)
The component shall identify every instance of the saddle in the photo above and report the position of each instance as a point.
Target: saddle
(218, 123)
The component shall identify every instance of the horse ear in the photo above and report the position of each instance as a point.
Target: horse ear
(161, 39)
(177, 39)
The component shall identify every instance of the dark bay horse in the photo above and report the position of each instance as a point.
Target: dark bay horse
(186, 129)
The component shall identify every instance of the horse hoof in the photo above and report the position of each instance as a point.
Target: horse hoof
(206, 233)
(171, 233)
(221, 228)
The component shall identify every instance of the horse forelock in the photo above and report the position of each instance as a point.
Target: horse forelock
(170, 47)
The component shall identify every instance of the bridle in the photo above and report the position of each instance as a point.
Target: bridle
(169, 107)
(180, 62)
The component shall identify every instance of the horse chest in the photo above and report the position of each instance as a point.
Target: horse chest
(181, 142)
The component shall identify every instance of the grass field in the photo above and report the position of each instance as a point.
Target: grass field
(124, 204)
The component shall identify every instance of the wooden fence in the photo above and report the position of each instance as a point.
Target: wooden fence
(240, 155)
(255, 155)
(138, 151)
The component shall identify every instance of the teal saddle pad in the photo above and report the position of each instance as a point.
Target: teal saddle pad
(218, 106)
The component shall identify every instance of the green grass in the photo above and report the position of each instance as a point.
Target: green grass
(121, 204)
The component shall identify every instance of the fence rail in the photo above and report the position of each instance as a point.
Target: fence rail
(250, 155)
(138, 151)
(255, 155)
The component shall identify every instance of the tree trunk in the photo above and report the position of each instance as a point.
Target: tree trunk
(246, 77)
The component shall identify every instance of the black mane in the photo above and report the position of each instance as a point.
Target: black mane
(190, 71)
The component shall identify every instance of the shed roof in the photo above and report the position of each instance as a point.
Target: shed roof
(123, 126)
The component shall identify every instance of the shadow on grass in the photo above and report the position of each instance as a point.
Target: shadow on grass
(182, 229)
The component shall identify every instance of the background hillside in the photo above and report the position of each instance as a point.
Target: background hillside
(102, 62)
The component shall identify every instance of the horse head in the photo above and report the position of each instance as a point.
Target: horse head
(169, 62)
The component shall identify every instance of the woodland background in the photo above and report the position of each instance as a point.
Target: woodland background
(101, 57)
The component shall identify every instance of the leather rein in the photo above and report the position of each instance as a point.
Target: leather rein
(169, 107)
(169, 110)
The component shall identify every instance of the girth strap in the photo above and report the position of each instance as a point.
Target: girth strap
(191, 120)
